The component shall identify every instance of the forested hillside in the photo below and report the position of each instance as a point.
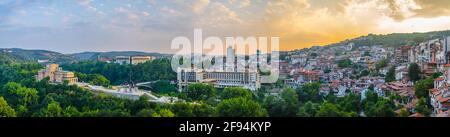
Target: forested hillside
(159, 69)
(395, 39)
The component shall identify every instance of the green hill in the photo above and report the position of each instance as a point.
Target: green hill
(7, 58)
(35, 55)
(112, 54)
(395, 39)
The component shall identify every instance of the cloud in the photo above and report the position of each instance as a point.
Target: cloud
(191, 6)
(199, 5)
(10, 7)
(85, 2)
(144, 13)
(432, 8)
(303, 23)
(298, 23)
(404, 9)
(334, 6)
(126, 17)
(170, 12)
(151, 2)
(200, 13)
(399, 9)
(217, 14)
(88, 4)
(241, 3)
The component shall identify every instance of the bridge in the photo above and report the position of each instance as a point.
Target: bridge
(146, 84)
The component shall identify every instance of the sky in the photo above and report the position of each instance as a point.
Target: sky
(71, 26)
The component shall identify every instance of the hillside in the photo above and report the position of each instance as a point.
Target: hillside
(16, 54)
(395, 39)
(35, 55)
(6, 58)
(112, 54)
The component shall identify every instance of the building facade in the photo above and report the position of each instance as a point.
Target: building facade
(219, 79)
(122, 60)
(57, 75)
(133, 59)
(140, 59)
(230, 75)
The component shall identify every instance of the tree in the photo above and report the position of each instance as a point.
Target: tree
(403, 113)
(183, 109)
(240, 107)
(163, 86)
(163, 113)
(234, 92)
(18, 95)
(94, 79)
(274, 106)
(5, 109)
(145, 113)
(158, 69)
(414, 72)
(390, 76)
(201, 91)
(375, 106)
(204, 110)
(364, 73)
(22, 111)
(421, 87)
(382, 108)
(345, 63)
(418, 39)
(28, 97)
(366, 53)
(97, 79)
(331, 110)
(309, 92)
(381, 64)
(285, 105)
(71, 112)
(53, 110)
(370, 96)
(309, 109)
(371, 87)
(350, 103)
(422, 107)
(328, 110)
(437, 74)
(193, 110)
(290, 99)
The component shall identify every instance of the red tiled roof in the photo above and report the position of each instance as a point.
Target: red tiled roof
(443, 99)
(434, 91)
(397, 84)
(447, 65)
(394, 87)
(439, 79)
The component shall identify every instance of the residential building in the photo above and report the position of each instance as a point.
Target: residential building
(402, 54)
